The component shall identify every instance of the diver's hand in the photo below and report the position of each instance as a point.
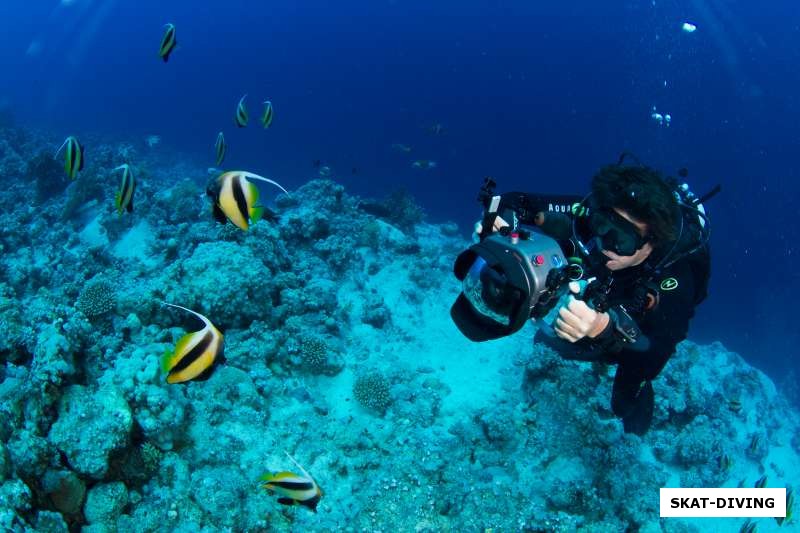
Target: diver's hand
(577, 320)
(498, 224)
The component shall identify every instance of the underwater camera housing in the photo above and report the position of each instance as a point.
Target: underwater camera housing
(507, 279)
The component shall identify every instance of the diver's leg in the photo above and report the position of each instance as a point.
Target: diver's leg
(633, 400)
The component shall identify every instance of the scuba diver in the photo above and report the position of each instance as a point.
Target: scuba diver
(612, 277)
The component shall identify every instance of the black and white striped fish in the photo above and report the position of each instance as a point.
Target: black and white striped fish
(241, 117)
(220, 148)
(123, 200)
(235, 198)
(73, 156)
(196, 354)
(294, 489)
(168, 42)
(266, 118)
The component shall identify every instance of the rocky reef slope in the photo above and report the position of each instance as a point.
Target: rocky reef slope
(340, 350)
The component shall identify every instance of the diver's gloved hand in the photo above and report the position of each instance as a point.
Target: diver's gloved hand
(498, 224)
(577, 320)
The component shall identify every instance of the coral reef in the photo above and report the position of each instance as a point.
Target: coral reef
(212, 264)
(91, 425)
(339, 350)
(105, 503)
(398, 208)
(375, 312)
(66, 491)
(47, 174)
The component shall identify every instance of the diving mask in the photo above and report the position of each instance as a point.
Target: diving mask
(615, 232)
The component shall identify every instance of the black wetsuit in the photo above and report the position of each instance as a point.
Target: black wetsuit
(661, 326)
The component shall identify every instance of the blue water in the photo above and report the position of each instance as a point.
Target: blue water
(538, 96)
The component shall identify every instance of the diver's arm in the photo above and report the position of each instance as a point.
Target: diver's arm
(649, 344)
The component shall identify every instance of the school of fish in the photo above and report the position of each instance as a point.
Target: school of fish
(234, 198)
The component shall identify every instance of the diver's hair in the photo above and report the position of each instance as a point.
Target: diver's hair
(641, 192)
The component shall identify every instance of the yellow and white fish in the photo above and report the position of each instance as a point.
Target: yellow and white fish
(235, 198)
(436, 129)
(294, 489)
(241, 116)
(424, 164)
(266, 118)
(220, 148)
(196, 354)
(73, 156)
(123, 200)
(168, 42)
(400, 147)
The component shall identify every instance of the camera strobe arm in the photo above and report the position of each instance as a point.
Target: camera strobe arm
(520, 207)
(526, 205)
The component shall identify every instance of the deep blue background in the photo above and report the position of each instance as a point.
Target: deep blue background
(537, 96)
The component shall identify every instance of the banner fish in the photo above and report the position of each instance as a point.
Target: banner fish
(266, 118)
(293, 489)
(220, 148)
(424, 164)
(749, 526)
(789, 506)
(241, 117)
(400, 147)
(73, 156)
(435, 129)
(195, 354)
(168, 42)
(235, 198)
(123, 200)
